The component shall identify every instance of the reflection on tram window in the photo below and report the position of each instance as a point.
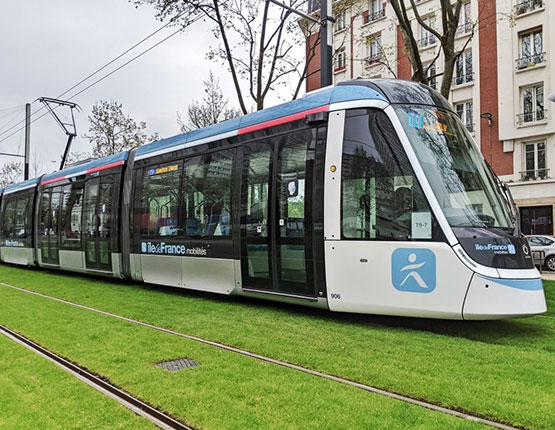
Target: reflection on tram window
(381, 197)
(16, 218)
(160, 201)
(462, 183)
(70, 221)
(207, 194)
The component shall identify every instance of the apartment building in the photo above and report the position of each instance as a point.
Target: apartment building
(499, 87)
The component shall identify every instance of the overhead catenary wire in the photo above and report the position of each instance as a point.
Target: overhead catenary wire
(99, 70)
(99, 80)
(12, 116)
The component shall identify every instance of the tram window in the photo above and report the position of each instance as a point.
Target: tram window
(70, 222)
(8, 218)
(45, 212)
(160, 201)
(381, 197)
(21, 217)
(17, 218)
(207, 194)
(55, 203)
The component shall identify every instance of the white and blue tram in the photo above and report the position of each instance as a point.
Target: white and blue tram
(369, 196)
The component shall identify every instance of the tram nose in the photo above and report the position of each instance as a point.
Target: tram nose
(492, 298)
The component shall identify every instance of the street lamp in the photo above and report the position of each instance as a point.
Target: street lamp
(489, 117)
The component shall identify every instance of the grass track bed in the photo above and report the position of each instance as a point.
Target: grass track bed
(227, 391)
(504, 370)
(36, 394)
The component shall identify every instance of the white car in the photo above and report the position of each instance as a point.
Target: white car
(547, 245)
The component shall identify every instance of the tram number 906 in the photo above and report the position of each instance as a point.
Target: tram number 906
(335, 296)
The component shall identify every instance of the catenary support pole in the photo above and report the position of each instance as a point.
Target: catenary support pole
(27, 140)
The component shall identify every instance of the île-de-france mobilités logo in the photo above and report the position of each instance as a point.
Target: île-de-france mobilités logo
(413, 270)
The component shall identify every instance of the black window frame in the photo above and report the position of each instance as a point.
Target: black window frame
(395, 148)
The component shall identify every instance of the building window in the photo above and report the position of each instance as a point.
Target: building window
(340, 20)
(375, 11)
(313, 5)
(532, 105)
(463, 69)
(464, 111)
(526, 6)
(531, 49)
(534, 161)
(431, 74)
(374, 49)
(340, 61)
(465, 20)
(427, 38)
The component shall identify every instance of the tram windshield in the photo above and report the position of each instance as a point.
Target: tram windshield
(464, 186)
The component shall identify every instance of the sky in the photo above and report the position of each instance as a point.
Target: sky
(48, 46)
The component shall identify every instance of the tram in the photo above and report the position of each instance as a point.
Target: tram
(368, 196)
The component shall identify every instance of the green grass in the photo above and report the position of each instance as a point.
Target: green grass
(228, 391)
(36, 394)
(503, 369)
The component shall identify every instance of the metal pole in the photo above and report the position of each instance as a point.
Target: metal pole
(27, 139)
(66, 152)
(326, 35)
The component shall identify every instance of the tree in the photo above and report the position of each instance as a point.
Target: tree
(111, 131)
(11, 173)
(255, 43)
(77, 157)
(450, 16)
(213, 109)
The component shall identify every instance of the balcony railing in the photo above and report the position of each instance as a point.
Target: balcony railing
(532, 175)
(464, 28)
(374, 59)
(530, 60)
(429, 40)
(374, 16)
(529, 117)
(528, 6)
(463, 79)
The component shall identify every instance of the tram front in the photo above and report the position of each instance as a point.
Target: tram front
(418, 198)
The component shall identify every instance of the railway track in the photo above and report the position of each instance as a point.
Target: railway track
(467, 415)
(141, 408)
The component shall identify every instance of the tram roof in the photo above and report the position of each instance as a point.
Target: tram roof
(317, 101)
(31, 183)
(386, 90)
(87, 167)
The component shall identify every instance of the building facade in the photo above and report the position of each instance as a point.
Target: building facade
(499, 88)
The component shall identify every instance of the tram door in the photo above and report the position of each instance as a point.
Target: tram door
(97, 220)
(49, 230)
(276, 208)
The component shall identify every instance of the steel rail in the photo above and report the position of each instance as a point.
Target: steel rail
(467, 415)
(160, 419)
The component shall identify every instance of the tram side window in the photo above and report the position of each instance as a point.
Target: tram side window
(8, 218)
(70, 221)
(207, 194)
(160, 201)
(21, 217)
(16, 218)
(381, 197)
